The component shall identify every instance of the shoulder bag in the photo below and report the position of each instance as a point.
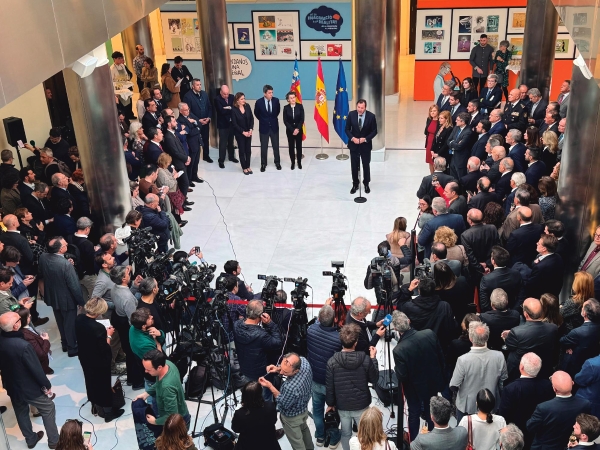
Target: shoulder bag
(470, 435)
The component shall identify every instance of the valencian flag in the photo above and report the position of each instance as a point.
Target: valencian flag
(321, 114)
(296, 88)
(341, 108)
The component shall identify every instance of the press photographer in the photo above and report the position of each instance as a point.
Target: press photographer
(232, 267)
(359, 310)
(235, 312)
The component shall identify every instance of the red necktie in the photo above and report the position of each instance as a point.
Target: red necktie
(590, 258)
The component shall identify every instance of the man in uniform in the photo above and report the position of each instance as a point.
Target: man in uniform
(515, 112)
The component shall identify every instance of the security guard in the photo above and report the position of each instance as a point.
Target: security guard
(515, 112)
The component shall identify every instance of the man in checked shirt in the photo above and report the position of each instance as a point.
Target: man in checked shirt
(292, 400)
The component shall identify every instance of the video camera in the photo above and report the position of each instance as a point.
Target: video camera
(423, 271)
(338, 290)
(269, 292)
(299, 293)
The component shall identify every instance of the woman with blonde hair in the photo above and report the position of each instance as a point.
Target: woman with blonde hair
(399, 232)
(440, 146)
(141, 109)
(447, 236)
(431, 128)
(167, 176)
(175, 435)
(370, 432)
(582, 290)
(550, 152)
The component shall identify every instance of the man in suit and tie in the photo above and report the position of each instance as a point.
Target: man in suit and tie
(440, 211)
(582, 342)
(426, 188)
(490, 96)
(60, 184)
(586, 430)
(456, 202)
(154, 146)
(157, 97)
(552, 421)
(172, 146)
(516, 180)
(498, 126)
(515, 112)
(458, 145)
(482, 129)
(361, 129)
(200, 106)
(499, 318)
(443, 101)
(267, 110)
(522, 242)
(547, 270)
(469, 181)
(537, 106)
(521, 397)
(550, 123)
(492, 170)
(534, 336)
(27, 182)
(502, 186)
(151, 117)
(478, 242)
(223, 105)
(476, 115)
(563, 98)
(483, 196)
(591, 260)
(536, 169)
(522, 198)
(443, 436)
(193, 137)
(562, 126)
(501, 277)
(37, 204)
(456, 108)
(516, 149)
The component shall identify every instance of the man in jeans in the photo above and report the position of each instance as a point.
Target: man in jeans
(292, 400)
(347, 380)
(323, 341)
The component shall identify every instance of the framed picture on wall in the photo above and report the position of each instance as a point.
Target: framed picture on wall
(469, 24)
(276, 35)
(243, 36)
(433, 34)
(181, 34)
(515, 45)
(231, 36)
(565, 47)
(516, 20)
(326, 49)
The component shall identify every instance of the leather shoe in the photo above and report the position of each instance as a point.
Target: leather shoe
(73, 355)
(367, 189)
(183, 223)
(262, 168)
(192, 184)
(208, 160)
(188, 203)
(50, 371)
(221, 165)
(186, 208)
(198, 180)
(233, 160)
(279, 433)
(299, 165)
(40, 321)
(53, 446)
(278, 166)
(190, 190)
(293, 165)
(40, 435)
(354, 189)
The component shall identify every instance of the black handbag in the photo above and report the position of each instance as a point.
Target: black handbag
(118, 399)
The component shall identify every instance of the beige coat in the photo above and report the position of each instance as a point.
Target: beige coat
(167, 80)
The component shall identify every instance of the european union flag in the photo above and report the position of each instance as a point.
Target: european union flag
(341, 108)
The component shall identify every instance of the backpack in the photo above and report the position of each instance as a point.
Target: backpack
(196, 382)
(62, 168)
(167, 95)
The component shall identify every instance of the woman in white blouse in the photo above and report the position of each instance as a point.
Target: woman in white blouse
(370, 432)
(485, 425)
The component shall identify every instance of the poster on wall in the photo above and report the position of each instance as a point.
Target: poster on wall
(231, 36)
(327, 50)
(276, 35)
(433, 34)
(181, 35)
(516, 45)
(243, 36)
(516, 20)
(565, 47)
(469, 24)
(325, 19)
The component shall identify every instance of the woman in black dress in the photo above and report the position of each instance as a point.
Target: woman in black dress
(95, 356)
(243, 123)
(293, 119)
(469, 92)
(440, 145)
(255, 421)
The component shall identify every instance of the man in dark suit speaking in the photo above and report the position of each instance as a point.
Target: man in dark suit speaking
(267, 110)
(361, 128)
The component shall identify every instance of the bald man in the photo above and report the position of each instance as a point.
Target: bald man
(534, 336)
(469, 181)
(492, 171)
(515, 112)
(498, 126)
(552, 421)
(484, 195)
(522, 242)
(478, 241)
(223, 105)
(15, 239)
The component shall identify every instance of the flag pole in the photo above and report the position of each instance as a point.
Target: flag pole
(322, 155)
(342, 156)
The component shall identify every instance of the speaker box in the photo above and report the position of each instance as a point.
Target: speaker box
(13, 126)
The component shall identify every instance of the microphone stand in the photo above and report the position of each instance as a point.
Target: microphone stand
(360, 198)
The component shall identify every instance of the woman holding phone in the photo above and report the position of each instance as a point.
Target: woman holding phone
(72, 436)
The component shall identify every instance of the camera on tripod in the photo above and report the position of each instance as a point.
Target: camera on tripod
(269, 292)
(423, 271)
(299, 292)
(338, 290)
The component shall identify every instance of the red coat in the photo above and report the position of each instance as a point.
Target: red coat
(40, 346)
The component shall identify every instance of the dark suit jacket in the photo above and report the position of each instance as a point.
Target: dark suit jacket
(552, 127)
(478, 148)
(369, 130)
(475, 120)
(459, 109)
(498, 128)
(520, 399)
(21, 243)
(199, 104)
(518, 156)
(469, 181)
(427, 188)
(540, 112)
(522, 242)
(296, 122)
(183, 73)
(152, 152)
(224, 115)
(242, 122)
(505, 278)
(583, 341)
(64, 292)
(510, 199)
(81, 204)
(148, 121)
(546, 276)
(41, 212)
(453, 221)
(493, 100)
(498, 321)
(481, 199)
(364, 343)
(267, 122)
(446, 106)
(552, 422)
(172, 146)
(534, 173)
(458, 206)
(24, 191)
(64, 225)
(478, 242)
(440, 143)
(540, 338)
(193, 129)
(58, 194)
(458, 143)
(502, 186)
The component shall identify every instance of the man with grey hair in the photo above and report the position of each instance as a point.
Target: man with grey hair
(516, 149)
(359, 310)
(498, 126)
(511, 438)
(427, 188)
(253, 341)
(581, 343)
(153, 217)
(537, 108)
(492, 168)
(85, 269)
(481, 368)
(419, 366)
(442, 437)
(194, 139)
(515, 112)
(443, 101)
(442, 218)
(322, 342)
(500, 317)
(522, 198)
(469, 181)
(459, 145)
(502, 186)
(516, 180)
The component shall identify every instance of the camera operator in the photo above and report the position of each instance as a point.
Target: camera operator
(133, 221)
(154, 217)
(253, 341)
(235, 311)
(384, 250)
(323, 341)
(232, 267)
(149, 290)
(359, 310)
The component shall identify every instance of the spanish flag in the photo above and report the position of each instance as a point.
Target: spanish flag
(321, 114)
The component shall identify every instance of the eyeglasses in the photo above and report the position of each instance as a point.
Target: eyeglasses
(596, 236)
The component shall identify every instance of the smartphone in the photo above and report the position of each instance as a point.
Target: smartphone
(470, 193)
(197, 250)
(87, 435)
(180, 173)
(434, 178)
(387, 320)
(32, 299)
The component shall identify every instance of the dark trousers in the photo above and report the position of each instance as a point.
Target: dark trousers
(479, 83)
(32, 289)
(356, 156)
(244, 149)
(416, 409)
(295, 141)
(264, 145)
(226, 143)
(183, 182)
(46, 408)
(140, 84)
(205, 132)
(65, 320)
(194, 146)
(457, 172)
(135, 376)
